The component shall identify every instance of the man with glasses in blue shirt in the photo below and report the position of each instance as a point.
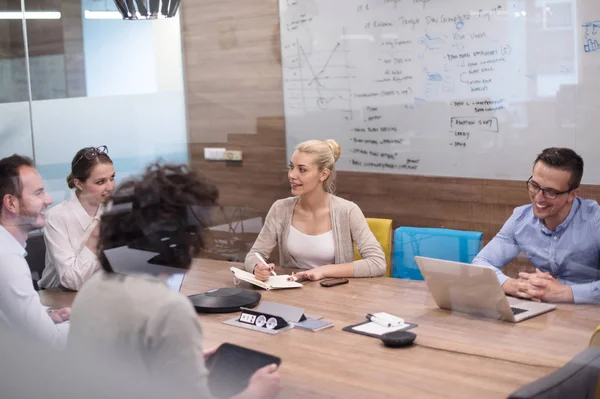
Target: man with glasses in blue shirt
(559, 232)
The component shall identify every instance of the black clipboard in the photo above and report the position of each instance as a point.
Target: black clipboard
(351, 329)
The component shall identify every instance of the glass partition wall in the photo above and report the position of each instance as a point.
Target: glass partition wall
(73, 74)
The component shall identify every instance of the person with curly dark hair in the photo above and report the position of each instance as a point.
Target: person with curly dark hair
(135, 319)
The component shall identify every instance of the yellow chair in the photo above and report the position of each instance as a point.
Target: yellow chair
(382, 230)
(595, 341)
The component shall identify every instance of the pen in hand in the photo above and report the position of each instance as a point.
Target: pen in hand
(264, 262)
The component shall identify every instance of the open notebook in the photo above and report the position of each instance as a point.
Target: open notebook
(273, 283)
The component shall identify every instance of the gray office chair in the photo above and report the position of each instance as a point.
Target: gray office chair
(577, 379)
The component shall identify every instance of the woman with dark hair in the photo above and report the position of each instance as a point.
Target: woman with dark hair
(72, 227)
(135, 320)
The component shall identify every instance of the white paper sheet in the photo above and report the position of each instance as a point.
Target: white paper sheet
(376, 329)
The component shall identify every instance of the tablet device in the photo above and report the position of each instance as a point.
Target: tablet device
(231, 367)
(314, 325)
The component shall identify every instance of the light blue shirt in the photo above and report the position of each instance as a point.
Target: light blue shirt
(571, 253)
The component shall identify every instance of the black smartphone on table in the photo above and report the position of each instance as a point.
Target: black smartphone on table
(332, 282)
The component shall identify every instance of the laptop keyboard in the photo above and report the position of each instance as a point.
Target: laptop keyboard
(517, 311)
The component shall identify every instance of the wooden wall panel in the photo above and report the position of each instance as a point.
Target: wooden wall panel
(233, 73)
(234, 99)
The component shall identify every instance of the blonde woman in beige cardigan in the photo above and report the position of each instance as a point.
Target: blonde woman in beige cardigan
(315, 230)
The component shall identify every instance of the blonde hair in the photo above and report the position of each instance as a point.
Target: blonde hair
(326, 153)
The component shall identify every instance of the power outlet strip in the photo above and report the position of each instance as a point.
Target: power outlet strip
(222, 154)
(214, 154)
(232, 155)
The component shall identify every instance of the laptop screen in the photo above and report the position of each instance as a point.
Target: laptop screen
(175, 281)
(129, 261)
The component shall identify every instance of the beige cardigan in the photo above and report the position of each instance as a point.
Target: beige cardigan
(348, 223)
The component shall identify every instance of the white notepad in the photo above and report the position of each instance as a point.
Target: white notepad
(376, 329)
(273, 283)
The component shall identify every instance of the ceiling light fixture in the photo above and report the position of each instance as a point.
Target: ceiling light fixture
(147, 9)
(102, 14)
(30, 15)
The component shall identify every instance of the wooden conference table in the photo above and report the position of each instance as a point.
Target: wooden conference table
(455, 355)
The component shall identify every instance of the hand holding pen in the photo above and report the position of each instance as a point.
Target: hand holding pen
(263, 270)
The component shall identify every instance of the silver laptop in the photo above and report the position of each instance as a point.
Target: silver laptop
(475, 290)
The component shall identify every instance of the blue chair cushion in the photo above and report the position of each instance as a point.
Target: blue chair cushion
(454, 245)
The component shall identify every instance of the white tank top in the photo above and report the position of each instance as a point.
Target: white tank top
(311, 251)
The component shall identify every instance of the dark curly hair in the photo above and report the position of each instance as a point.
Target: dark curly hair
(159, 212)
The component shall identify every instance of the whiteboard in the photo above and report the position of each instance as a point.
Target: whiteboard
(467, 88)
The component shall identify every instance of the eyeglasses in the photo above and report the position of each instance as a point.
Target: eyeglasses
(91, 153)
(549, 193)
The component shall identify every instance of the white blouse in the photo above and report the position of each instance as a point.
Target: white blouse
(311, 251)
(21, 311)
(69, 263)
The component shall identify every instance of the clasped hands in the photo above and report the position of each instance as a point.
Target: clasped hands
(539, 287)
